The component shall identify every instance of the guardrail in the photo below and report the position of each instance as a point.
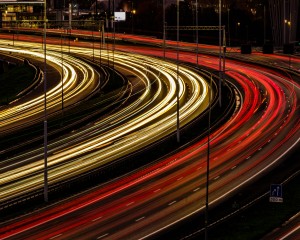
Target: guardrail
(52, 24)
(36, 80)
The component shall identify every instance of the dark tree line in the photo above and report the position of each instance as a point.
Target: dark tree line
(244, 20)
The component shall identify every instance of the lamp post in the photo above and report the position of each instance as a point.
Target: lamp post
(197, 37)
(45, 110)
(114, 39)
(70, 15)
(208, 158)
(62, 78)
(264, 40)
(284, 23)
(95, 8)
(100, 42)
(177, 82)
(93, 29)
(289, 25)
(228, 23)
(13, 37)
(209, 115)
(164, 29)
(220, 49)
(133, 12)
(237, 33)
(102, 39)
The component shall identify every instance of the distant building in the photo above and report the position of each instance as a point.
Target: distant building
(11, 12)
(56, 10)
(284, 20)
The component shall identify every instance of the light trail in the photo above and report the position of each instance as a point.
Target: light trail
(19, 112)
(140, 124)
(257, 137)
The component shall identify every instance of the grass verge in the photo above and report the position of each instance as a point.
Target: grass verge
(14, 81)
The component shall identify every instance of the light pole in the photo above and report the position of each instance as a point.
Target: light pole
(284, 23)
(102, 39)
(95, 9)
(62, 78)
(45, 110)
(13, 37)
(133, 11)
(70, 15)
(209, 115)
(289, 24)
(177, 82)
(164, 29)
(197, 37)
(237, 33)
(264, 40)
(228, 23)
(93, 29)
(208, 158)
(114, 39)
(220, 49)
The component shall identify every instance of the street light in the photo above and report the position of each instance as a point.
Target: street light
(228, 24)
(177, 82)
(164, 29)
(197, 33)
(62, 78)
(237, 32)
(93, 29)
(289, 24)
(45, 110)
(133, 12)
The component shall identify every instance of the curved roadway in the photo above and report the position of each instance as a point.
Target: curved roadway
(263, 129)
(149, 118)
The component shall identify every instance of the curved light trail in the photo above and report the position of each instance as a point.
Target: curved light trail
(263, 129)
(141, 123)
(74, 89)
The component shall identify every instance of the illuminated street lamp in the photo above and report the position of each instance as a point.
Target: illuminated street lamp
(237, 32)
(209, 116)
(45, 111)
(197, 33)
(228, 25)
(133, 12)
(177, 82)
(289, 24)
(164, 28)
(284, 30)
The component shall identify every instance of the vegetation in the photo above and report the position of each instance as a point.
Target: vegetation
(262, 217)
(255, 221)
(13, 81)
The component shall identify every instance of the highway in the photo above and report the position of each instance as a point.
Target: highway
(264, 127)
(125, 131)
(289, 230)
(26, 110)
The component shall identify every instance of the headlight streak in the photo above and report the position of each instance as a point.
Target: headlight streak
(72, 88)
(248, 118)
(65, 163)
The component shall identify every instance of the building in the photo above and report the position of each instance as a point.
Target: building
(19, 10)
(284, 21)
(10, 12)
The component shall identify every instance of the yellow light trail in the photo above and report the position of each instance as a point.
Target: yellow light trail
(148, 119)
